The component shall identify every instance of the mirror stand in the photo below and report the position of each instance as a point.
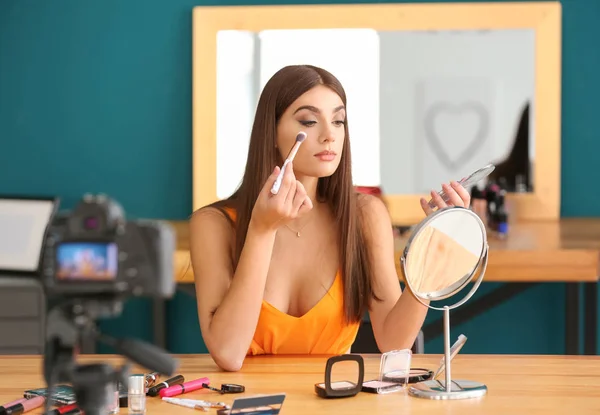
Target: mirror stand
(448, 388)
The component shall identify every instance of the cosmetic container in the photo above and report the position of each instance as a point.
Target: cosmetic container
(114, 404)
(520, 184)
(137, 394)
(479, 203)
(501, 223)
(394, 367)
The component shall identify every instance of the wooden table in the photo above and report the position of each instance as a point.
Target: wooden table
(516, 385)
(565, 251)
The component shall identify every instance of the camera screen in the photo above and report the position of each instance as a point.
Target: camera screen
(86, 261)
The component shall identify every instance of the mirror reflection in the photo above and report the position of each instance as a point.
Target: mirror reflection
(444, 253)
(424, 107)
(344, 375)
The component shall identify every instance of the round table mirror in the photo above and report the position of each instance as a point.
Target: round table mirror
(444, 253)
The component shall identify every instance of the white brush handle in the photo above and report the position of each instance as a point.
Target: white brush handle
(277, 184)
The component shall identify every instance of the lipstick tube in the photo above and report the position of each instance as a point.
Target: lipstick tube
(66, 410)
(183, 388)
(175, 380)
(151, 379)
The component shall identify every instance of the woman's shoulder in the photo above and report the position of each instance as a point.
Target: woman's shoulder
(371, 205)
(374, 214)
(213, 215)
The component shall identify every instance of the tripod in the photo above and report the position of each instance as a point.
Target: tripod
(93, 384)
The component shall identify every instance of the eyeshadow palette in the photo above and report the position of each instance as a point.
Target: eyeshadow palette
(62, 394)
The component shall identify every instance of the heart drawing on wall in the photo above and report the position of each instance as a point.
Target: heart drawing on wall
(441, 142)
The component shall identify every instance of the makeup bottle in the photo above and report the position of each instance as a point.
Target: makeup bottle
(501, 215)
(502, 223)
(123, 392)
(137, 394)
(503, 183)
(491, 192)
(113, 408)
(479, 203)
(520, 185)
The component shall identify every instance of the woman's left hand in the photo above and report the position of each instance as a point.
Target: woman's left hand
(457, 196)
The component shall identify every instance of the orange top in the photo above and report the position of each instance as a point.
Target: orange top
(322, 330)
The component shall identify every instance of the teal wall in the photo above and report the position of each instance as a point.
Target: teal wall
(95, 96)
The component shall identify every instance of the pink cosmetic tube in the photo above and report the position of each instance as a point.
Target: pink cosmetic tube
(9, 404)
(25, 406)
(190, 386)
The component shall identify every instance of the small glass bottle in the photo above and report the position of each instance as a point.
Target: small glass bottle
(520, 185)
(114, 406)
(137, 394)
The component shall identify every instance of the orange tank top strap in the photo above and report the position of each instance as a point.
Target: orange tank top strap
(228, 211)
(231, 213)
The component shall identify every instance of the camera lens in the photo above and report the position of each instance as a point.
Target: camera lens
(90, 223)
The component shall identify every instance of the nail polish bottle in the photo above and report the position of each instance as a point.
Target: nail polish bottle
(114, 405)
(491, 192)
(501, 216)
(501, 223)
(137, 394)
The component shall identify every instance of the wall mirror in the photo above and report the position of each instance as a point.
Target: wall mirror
(434, 91)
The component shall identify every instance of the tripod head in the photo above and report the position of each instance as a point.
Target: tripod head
(94, 384)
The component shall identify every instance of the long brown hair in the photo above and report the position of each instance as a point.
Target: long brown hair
(287, 85)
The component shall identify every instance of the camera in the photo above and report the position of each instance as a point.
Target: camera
(92, 260)
(94, 251)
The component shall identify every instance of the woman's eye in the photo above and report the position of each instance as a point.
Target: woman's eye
(338, 123)
(308, 123)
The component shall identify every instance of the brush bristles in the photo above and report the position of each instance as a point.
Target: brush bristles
(301, 136)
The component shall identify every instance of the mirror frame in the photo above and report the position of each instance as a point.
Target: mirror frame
(476, 274)
(543, 17)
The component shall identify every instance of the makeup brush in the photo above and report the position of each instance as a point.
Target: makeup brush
(299, 139)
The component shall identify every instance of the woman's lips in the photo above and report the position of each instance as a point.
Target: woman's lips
(326, 155)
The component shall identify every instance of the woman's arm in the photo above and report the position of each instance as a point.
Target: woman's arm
(228, 302)
(397, 318)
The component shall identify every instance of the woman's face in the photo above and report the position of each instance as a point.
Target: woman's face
(320, 113)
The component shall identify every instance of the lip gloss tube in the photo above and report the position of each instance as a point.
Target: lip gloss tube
(190, 386)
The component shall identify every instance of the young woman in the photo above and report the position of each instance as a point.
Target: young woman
(294, 273)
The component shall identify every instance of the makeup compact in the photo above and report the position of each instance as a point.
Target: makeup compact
(380, 387)
(347, 382)
(415, 375)
(226, 388)
(61, 394)
(394, 372)
(255, 405)
(395, 366)
(419, 375)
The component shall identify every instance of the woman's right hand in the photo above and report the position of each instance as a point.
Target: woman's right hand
(289, 203)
